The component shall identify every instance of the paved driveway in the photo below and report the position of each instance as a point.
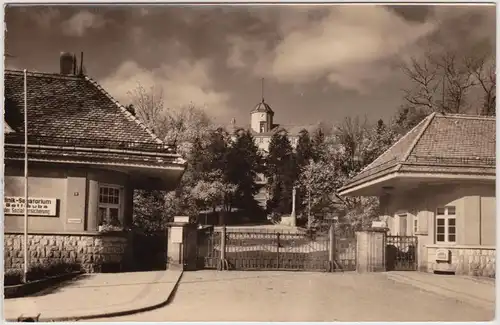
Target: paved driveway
(301, 296)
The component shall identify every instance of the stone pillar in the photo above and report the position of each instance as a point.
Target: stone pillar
(370, 250)
(181, 244)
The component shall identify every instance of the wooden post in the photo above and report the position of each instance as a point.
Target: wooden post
(223, 248)
(278, 250)
(331, 250)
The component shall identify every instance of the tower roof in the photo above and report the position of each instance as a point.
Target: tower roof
(262, 107)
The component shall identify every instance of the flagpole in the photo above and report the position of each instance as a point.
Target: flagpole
(25, 244)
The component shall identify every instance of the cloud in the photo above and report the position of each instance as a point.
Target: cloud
(242, 52)
(347, 45)
(183, 83)
(45, 17)
(79, 23)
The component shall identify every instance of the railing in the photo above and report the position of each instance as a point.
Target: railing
(90, 143)
(401, 253)
(266, 249)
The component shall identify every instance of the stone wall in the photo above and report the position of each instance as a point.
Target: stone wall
(465, 260)
(91, 250)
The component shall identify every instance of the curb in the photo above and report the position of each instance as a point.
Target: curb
(442, 291)
(34, 287)
(116, 313)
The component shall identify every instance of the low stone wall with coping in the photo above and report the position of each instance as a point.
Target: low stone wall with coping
(92, 250)
(464, 260)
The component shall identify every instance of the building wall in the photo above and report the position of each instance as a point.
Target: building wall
(92, 251)
(464, 260)
(262, 141)
(475, 216)
(256, 118)
(76, 191)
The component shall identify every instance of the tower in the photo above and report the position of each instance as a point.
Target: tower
(262, 115)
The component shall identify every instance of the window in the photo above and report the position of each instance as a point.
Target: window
(262, 127)
(402, 224)
(109, 205)
(415, 225)
(446, 225)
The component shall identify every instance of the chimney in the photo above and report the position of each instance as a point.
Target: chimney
(67, 63)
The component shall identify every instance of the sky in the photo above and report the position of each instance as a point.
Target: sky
(319, 63)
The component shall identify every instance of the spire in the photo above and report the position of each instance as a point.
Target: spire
(262, 89)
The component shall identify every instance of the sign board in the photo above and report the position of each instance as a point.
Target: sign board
(176, 235)
(443, 255)
(184, 219)
(74, 220)
(378, 224)
(15, 205)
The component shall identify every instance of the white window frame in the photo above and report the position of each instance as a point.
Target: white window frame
(415, 225)
(109, 206)
(262, 126)
(446, 217)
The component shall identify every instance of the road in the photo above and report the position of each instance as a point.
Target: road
(303, 296)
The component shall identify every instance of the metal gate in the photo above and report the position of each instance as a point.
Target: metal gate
(275, 250)
(401, 253)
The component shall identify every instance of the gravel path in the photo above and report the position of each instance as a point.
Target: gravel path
(303, 296)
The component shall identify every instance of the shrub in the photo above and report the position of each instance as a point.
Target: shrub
(40, 271)
(12, 277)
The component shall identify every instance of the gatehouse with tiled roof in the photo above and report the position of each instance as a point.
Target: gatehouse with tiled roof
(437, 185)
(86, 156)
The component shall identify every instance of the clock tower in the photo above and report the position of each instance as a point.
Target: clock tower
(262, 116)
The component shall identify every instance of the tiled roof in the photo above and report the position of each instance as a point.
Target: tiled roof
(68, 114)
(441, 143)
(69, 106)
(262, 107)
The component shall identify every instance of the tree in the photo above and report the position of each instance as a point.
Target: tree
(320, 181)
(445, 82)
(187, 128)
(304, 150)
(381, 138)
(185, 125)
(304, 153)
(281, 173)
(213, 193)
(351, 147)
(483, 69)
(148, 106)
(405, 119)
(318, 141)
(243, 163)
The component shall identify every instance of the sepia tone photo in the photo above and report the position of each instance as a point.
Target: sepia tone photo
(249, 162)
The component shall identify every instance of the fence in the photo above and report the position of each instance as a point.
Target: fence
(401, 253)
(276, 250)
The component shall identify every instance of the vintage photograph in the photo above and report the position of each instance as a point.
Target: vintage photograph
(249, 162)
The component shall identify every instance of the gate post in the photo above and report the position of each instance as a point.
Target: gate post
(181, 244)
(370, 250)
(331, 249)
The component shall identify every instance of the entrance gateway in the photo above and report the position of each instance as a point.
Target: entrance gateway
(263, 249)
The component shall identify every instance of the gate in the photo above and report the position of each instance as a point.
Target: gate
(401, 253)
(256, 249)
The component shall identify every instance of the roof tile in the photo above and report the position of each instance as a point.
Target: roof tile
(69, 106)
(440, 143)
